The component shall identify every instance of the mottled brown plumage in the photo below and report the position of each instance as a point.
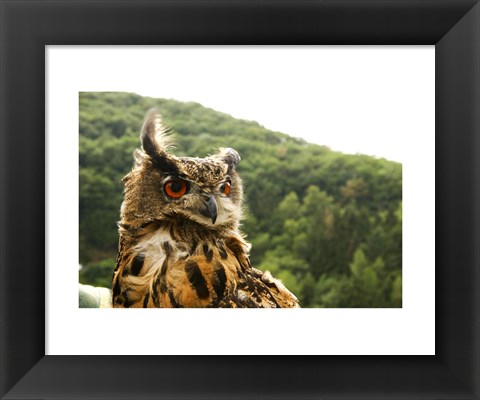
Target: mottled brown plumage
(180, 244)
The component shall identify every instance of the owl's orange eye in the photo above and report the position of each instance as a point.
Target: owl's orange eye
(225, 188)
(175, 188)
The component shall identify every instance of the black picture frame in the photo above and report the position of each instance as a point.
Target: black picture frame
(453, 26)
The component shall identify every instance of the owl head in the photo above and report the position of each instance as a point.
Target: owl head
(161, 186)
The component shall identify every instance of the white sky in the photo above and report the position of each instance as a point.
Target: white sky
(370, 100)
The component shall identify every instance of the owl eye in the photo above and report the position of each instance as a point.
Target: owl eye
(175, 188)
(225, 188)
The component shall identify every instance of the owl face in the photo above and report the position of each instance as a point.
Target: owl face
(162, 186)
(205, 190)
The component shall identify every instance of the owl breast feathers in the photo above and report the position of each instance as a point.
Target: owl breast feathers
(180, 244)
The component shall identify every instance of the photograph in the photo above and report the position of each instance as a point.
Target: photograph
(293, 182)
(185, 206)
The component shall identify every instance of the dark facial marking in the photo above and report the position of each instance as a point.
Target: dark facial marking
(197, 280)
(137, 264)
(165, 165)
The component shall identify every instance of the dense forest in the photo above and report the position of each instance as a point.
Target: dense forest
(328, 224)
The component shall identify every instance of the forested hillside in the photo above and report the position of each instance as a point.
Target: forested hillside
(326, 223)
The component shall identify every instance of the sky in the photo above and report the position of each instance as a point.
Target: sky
(369, 100)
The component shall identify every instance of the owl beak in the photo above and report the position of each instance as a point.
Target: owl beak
(211, 208)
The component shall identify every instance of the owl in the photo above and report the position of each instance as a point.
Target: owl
(179, 238)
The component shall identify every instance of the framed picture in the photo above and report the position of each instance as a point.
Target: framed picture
(313, 97)
(28, 371)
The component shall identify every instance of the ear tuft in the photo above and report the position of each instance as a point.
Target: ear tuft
(155, 137)
(230, 156)
(156, 140)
